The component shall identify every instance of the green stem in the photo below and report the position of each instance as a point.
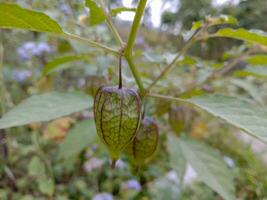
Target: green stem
(111, 25)
(216, 74)
(129, 46)
(90, 43)
(135, 26)
(168, 98)
(194, 38)
(135, 74)
(169, 66)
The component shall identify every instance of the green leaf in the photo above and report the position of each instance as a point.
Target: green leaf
(211, 169)
(13, 16)
(250, 88)
(78, 138)
(238, 112)
(260, 59)
(222, 19)
(97, 14)
(46, 186)
(213, 21)
(57, 62)
(114, 12)
(36, 167)
(177, 160)
(242, 34)
(45, 107)
(257, 71)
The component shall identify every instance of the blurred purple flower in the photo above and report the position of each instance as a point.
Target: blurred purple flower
(120, 164)
(92, 164)
(65, 8)
(29, 49)
(132, 185)
(21, 75)
(103, 196)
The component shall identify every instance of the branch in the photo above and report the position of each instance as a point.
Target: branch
(188, 45)
(129, 46)
(111, 25)
(136, 23)
(216, 74)
(135, 74)
(90, 43)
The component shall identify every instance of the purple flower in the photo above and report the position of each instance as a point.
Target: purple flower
(103, 196)
(21, 75)
(41, 48)
(29, 49)
(132, 185)
(65, 8)
(93, 163)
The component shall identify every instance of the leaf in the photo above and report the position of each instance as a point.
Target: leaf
(210, 167)
(222, 19)
(46, 186)
(78, 138)
(36, 167)
(260, 59)
(177, 160)
(257, 71)
(242, 34)
(212, 21)
(45, 107)
(163, 188)
(13, 16)
(97, 14)
(114, 12)
(250, 88)
(238, 112)
(57, 62)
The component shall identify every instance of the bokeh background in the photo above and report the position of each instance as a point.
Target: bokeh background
(63, 159)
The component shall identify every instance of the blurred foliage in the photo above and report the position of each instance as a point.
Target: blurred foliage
(62, 159)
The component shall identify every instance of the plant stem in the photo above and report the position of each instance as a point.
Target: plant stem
(169, 66)
(111, 25)
(90, 43)
(135, 74)
(168, 98)
(216, 74)
(120, 76)
(135, 26)
(187, 46)
(129, 46)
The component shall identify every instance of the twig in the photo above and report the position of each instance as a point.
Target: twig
(111, 25)
(90, 43)
(188, 45)
(216, 74)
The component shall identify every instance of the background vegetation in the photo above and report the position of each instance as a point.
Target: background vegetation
(48, 81)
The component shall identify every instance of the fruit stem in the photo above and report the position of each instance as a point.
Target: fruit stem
(113, 164)
(120, 76)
